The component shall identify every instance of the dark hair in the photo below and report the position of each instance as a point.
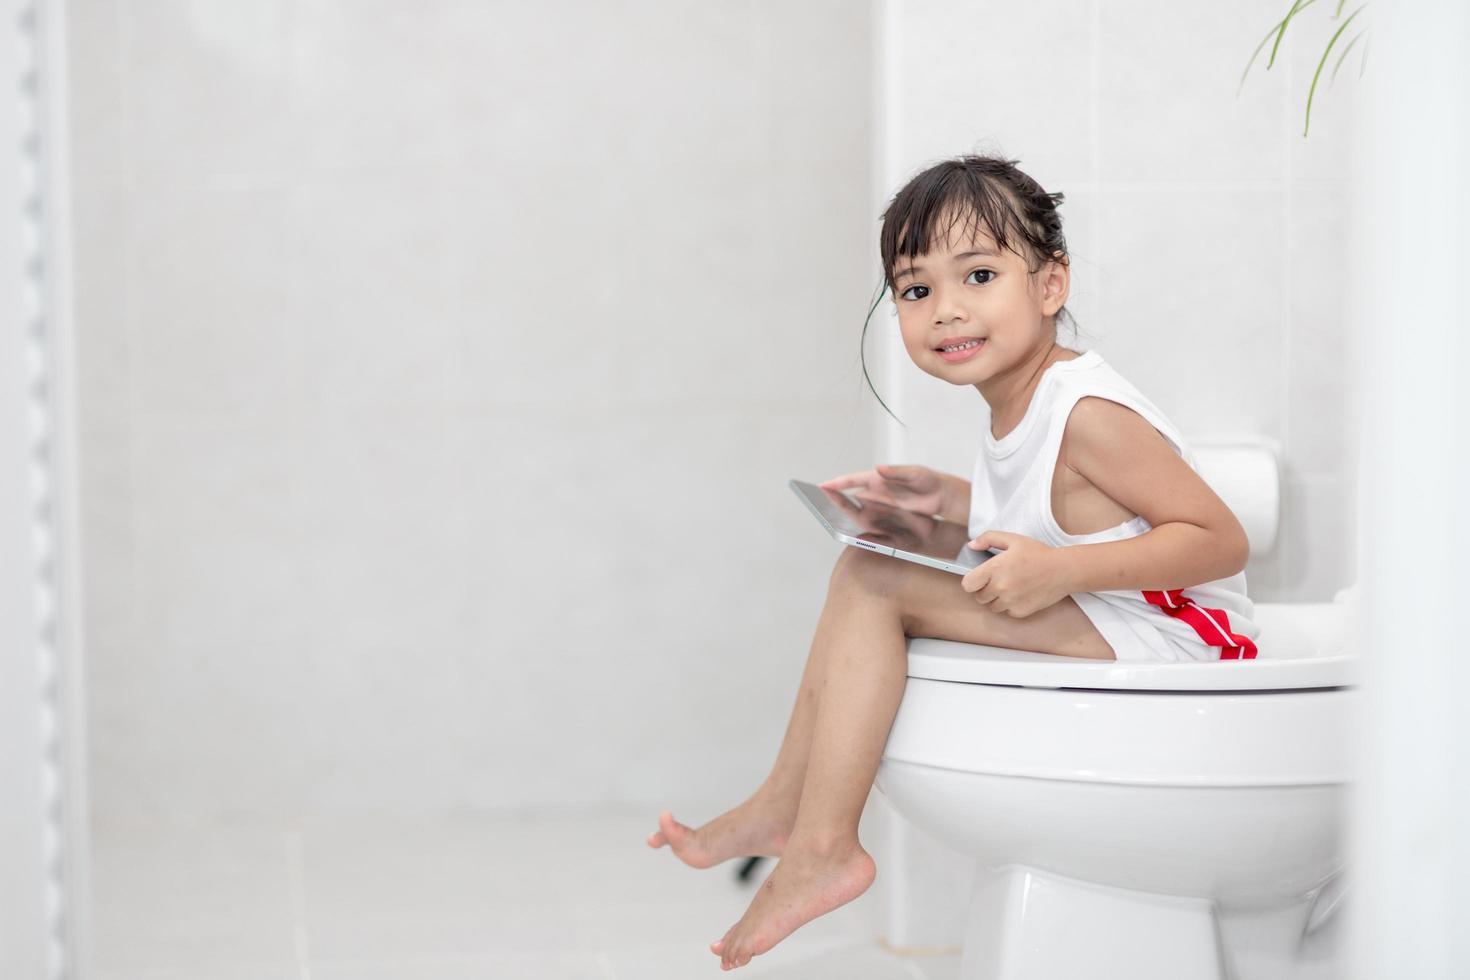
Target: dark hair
(983, 190)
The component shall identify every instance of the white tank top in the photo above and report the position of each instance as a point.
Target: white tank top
(1011, 491)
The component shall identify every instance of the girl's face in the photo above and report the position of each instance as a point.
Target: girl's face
(969, 289)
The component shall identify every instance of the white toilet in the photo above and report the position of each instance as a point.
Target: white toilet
(1180, 821)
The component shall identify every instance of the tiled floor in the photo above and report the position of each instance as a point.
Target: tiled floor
(545, 898)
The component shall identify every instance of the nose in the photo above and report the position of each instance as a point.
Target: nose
(946, 308)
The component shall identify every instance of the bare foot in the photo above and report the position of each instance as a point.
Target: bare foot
(754, 827)
(802, 887)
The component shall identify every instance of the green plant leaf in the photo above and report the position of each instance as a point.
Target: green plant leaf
(1278, 29)
(1296, 8)
(1344, 54)
(1318, 73)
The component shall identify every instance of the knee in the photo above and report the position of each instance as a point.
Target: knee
(867, 572)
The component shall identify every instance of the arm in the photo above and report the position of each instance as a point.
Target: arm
(1175, 555)
(1194, 539)
(954, 495)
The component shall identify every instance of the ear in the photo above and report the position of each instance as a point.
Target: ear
(1057, 285)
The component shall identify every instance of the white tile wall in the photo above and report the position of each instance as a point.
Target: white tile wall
(393, 320)
(391, 315)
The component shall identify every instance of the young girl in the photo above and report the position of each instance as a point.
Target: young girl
(1107, 544)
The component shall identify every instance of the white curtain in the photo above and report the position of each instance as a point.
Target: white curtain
(43, 807)
(1408, 895)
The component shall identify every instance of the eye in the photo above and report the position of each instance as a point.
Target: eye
(905, 293)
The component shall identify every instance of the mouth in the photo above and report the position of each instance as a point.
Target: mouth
(956, 349)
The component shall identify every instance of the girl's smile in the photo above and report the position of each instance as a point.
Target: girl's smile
(963, 352)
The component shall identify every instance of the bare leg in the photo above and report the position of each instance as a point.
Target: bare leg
(874, 604)
(763, 823)
(824, 865)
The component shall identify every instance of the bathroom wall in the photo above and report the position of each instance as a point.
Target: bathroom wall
(392, 317)
(418, 341)
(1209, 239)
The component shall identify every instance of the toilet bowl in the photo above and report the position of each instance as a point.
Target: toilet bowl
(1171, 820)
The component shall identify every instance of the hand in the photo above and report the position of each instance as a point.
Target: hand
(912, 487)
(1026, 577)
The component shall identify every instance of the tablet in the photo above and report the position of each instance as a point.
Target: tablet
(889, 530)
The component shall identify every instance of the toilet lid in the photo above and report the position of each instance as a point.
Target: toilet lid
(1303, 645)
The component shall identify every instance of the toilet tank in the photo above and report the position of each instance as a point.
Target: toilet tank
(1245, 472)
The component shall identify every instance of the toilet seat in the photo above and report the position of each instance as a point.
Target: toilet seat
(1304, 646)
(1212, 738)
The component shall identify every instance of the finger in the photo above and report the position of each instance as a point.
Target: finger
(847, 480)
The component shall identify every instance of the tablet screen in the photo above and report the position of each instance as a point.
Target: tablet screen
(906, 532)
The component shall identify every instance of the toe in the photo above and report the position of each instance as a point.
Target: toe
(672, 830)
(657, 839)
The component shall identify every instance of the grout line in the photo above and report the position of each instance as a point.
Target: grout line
(298, 903)
(1094, 112)
(1285, 585)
